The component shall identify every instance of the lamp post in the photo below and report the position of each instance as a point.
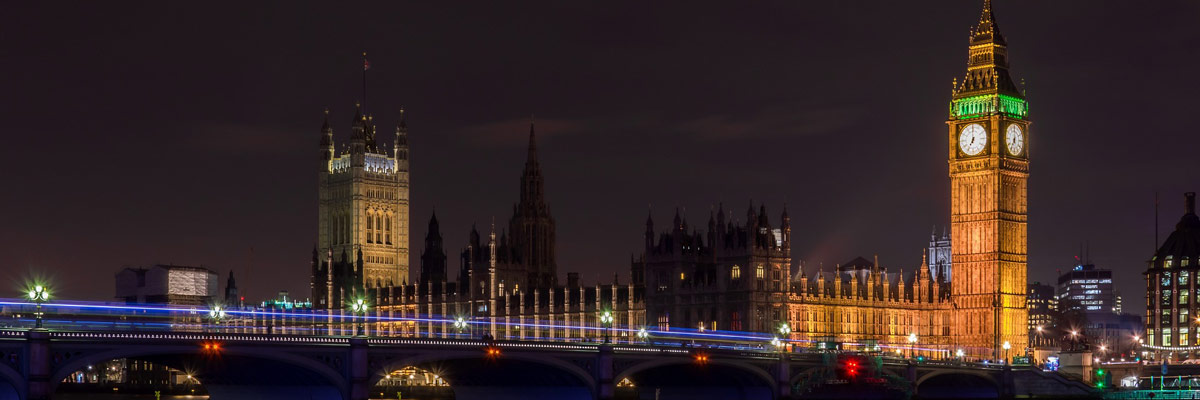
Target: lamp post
(959, 353)
(1006, 346)
(643, 335)
(1134, 350)
(39, 294)
(360, 310)
(216, 314)
(607, 319)
(460, 323)
(912, 344)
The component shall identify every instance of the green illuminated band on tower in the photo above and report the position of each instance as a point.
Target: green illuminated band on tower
(974, 106)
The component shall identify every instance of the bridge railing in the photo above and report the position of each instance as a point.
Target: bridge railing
(144, 320)
(81, 316)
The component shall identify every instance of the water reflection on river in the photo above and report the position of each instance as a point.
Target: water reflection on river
(111, 396)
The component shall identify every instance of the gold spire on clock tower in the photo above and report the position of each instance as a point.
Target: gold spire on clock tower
(989, 170)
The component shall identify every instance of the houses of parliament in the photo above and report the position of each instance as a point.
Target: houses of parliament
(725, 274)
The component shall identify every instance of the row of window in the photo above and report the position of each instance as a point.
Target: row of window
(1169, 262)
(1164, 338)
(378, 228)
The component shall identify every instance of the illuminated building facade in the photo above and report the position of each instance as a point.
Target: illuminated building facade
(1042, 303)
(168, 284)
(940, 255)
(1088, 289)
(989, 169)
(1171, 289)
(861, 302)
(362, 225)
(506, 283)
(731, 277)
(736, 275)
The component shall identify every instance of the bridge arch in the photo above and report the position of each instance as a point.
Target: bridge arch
(264, 362)
(930, 385)
(512, 375)
(796, 377)
(683, 378)
(12, 383)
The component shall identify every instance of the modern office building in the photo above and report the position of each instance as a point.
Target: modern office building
(1042, 303)
(1088, 289)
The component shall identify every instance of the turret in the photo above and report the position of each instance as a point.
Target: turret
(803, 282)
(721, 224)
(786, 227)
(649, 231)
(820, 282)
(326, 145)
(231, 292)
(712, 228)
(751, 219)
(837, 281)
(433, 259)
(400, 144)
(358, 137)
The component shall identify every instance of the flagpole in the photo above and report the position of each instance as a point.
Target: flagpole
(364, 82)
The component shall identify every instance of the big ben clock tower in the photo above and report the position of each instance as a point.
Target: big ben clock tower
(989, 171)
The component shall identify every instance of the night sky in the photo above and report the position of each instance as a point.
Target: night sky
(166, 133)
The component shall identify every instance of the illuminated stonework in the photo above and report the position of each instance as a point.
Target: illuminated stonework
(988, 200)
(364, 194)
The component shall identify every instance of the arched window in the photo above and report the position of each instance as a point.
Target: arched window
(759, 273)
(340, 233)
(333, 230)
(388, 227)
(735, 272)
(378, 231)
(370, 228)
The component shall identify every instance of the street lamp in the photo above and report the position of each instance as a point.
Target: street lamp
(912, 343)
(959, 353)
(1006, 346)
(216, 314)
(643, 335)
(460, 323)
(607, 320)
(359, 307)
(39, 294)
(776, 342)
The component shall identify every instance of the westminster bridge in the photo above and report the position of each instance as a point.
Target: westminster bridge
(272, 365)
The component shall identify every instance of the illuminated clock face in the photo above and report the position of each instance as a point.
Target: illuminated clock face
(1015, 139)
(972, 139)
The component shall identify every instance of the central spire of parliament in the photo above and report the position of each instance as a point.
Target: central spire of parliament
(532, 227)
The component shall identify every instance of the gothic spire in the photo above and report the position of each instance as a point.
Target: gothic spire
(532, 197)
(532, 152)
(326, 131)
(403, 120)
(987, 30)
(987, 61)
(358, 129)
